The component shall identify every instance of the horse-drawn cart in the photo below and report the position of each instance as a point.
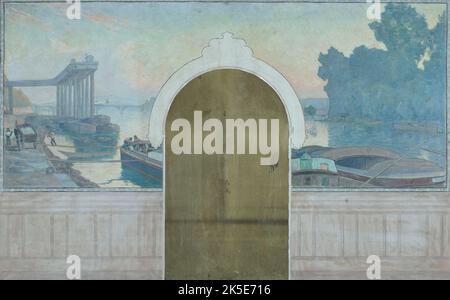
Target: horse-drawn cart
(28, 135)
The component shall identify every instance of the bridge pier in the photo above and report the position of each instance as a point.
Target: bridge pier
(69, 107)
(78, 99)
(72, 99)
(10, 100)
(64, 99)
(76, 103)
(92, 94)
(58, 100)
(84, 88)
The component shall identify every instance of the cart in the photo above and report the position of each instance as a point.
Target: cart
(28, 134)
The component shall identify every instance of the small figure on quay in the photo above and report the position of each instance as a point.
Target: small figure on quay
(8, 134)
(17, 136)
(128, 143)
(21, 138)
(51, 137)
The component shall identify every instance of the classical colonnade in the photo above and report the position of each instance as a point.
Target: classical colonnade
(75, 89)
(75, 97)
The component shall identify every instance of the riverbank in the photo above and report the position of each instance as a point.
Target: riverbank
(30, 169)
(61, 166)
(40, 167)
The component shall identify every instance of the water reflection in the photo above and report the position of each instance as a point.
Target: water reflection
(422, 144)
(90, 159)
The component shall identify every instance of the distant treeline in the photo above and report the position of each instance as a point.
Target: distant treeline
(20, 99)
(405, 82)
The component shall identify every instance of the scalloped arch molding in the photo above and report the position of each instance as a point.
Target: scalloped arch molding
(227, 52)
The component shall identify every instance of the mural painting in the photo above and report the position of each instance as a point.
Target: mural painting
(78, 94)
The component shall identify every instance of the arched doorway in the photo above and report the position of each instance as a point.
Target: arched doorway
(227, 215)
(225, 54)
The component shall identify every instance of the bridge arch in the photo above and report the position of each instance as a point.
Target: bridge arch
(227, 52)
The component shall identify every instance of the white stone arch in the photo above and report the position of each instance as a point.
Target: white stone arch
(227, 52)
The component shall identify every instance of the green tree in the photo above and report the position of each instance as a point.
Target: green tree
(310, 110)
(390, 84)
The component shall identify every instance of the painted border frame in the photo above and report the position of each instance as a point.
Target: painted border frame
(293, 189)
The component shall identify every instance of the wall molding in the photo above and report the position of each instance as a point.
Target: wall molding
(120, 235)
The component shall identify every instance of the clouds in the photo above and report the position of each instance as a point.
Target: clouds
(139, 45)
(60, 46)
(18, 16)
(135, 67)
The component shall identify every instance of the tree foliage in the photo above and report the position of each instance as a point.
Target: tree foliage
(405, 82)
(310, 110)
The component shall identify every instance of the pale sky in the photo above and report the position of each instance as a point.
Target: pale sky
(139, 45)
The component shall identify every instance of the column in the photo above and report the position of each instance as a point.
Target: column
(58, 100)
(83, 98)
(86, 98)
(61, 111)
(64, 100)
(71, 89)
(69, 102)
(80, 101)
(67, 105)
(61, 99)
(10, 100)
(76, 98)
(80, 98)
(92, 94)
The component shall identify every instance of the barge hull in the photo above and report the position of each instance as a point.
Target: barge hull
(139, 163)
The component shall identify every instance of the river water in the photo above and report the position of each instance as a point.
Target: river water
(429, 145)
(113, 174)
(422, 144)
